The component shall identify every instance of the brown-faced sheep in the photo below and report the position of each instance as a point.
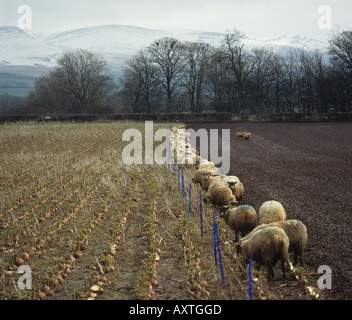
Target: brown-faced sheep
(296, 232)
(208, 178)
(241, 219)
(198, 174)
(220, 194)
(271, 211)
(267, 247)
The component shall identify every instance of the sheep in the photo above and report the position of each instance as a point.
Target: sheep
(187, 161)
(271, 211)
(198, 174)
(206, 164)
(208, 178)
(267, 247)
(241, 219)
(241, 134)
(220, 194)
(238, 190)
(235, 185)
(296, 232)
(247, 135)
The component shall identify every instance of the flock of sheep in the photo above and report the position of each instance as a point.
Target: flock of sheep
(266, 237)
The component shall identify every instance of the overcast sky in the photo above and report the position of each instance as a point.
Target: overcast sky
(256, 18)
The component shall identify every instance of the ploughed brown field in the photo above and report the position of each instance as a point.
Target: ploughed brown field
(308, 168)
(91, 227)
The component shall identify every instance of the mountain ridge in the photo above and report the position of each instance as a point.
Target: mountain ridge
(119, 39)
(116, 43)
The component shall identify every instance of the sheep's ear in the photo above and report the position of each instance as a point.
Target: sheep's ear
(233, 203)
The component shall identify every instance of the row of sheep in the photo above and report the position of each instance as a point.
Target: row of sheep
(266, 237)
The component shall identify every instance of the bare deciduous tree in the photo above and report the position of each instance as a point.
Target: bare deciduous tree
(167, 55)
(87, 76)
(240, 62)
(195, 56)
(140, 86)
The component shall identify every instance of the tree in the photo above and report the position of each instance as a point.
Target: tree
(218, 80)
(262, 77)
(240, 62)
(167, 55)
(195, 55)
(87, 77)
(140, 87)
(340, 49)
(52, 94)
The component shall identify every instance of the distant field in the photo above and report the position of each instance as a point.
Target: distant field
(91, 227)
(20, 80)
(16, 85)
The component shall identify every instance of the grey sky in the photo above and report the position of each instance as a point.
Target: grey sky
(256, 18)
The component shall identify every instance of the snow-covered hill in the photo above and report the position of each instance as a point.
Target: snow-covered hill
(116, 43)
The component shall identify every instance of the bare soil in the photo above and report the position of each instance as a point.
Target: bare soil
(64, 192)
(307, 167)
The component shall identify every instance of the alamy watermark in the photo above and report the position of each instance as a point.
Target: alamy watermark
(25, 20)
(325, 281)
(25, 281)
(167, 152)
(325, 17)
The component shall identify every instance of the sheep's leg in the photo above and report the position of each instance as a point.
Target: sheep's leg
(271, 274)
(295, 259)
(283, 268)
(236, 239)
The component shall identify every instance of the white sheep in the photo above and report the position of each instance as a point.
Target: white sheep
(235, 185)
(220, 194)
(271, 211)
(241, 134)
(247, 135)
(208, 178)
(241, 219)
(206, 164)
(198, 174)
(296, 232)
(267, 247)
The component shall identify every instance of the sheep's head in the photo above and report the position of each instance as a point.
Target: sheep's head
(223, 210)
(232, 184)
(233, 203)
(205, 175)
(242, 247)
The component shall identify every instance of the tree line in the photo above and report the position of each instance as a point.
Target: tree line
(174, 76)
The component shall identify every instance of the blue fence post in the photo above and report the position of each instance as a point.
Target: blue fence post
(190, 200)
(250, 279)
(201, 215)
(183, 185)
(178, 177)
(220, 258)
(214, 228)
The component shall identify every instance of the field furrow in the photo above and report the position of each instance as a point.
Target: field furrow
(92, 228)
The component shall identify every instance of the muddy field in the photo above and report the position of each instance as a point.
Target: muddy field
(307, 167)
(92, 228)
